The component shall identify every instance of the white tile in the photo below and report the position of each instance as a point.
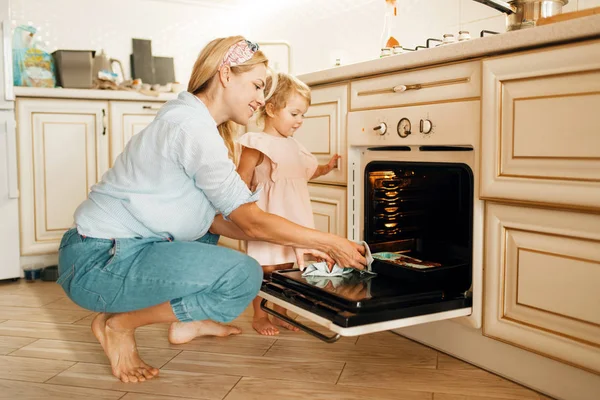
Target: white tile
(471, 10)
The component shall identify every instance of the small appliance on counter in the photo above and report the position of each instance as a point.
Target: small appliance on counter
(74, 68)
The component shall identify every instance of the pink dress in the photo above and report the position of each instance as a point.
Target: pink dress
(283, 176)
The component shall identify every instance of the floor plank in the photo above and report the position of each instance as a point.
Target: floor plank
(169, 383)
(47, 330)
(35, 391)
(88, 352)
(8, 344)
(465, 382)
(42, 314)
(414, 356)
(27, 300)
(141, 396)
(257, 367)
(66, 304)
(31, 370)
(265, 389)
(448, 362)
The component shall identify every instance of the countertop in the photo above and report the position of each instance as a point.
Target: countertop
(89, 94)
(552, 34)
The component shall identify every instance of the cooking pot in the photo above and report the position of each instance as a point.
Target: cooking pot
(525, 13)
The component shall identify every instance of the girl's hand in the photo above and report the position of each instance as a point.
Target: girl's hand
(318, 255)
(331, 164)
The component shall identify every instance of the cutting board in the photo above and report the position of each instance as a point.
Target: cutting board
(568, 16)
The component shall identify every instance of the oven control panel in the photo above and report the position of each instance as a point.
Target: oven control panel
(441, 124)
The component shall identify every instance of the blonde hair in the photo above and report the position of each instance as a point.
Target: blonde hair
(206, 68)
(285, 86)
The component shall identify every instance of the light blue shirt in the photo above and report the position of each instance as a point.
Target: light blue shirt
(170, 181)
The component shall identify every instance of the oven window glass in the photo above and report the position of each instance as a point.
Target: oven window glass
(418, 220)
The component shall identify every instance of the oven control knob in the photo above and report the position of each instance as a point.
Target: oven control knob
(404, 128)
(426, 126)
(381, 128)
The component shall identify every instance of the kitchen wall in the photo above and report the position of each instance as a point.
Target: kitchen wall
(318, 31)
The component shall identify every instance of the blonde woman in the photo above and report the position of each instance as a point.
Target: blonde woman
(276, 162)
(141, 252)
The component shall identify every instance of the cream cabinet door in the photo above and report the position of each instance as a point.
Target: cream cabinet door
(63, 151)
(541, 127)
(234, 244)
(323, 132)
(126, 119)
(541, 282)
(329, 208)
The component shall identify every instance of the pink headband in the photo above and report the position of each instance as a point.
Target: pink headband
(239, 53)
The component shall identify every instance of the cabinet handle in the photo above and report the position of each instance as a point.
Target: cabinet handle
(104, 122)
(416, 86)
(154, 108)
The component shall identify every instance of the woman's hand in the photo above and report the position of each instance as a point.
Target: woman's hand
(317, 255)
(348, 254)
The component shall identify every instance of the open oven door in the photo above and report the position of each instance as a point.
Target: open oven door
(399, 295)
(418, 222)
(360, 307)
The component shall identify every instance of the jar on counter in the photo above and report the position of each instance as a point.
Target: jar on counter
(385, 52)
(464, 35)
(449, 38)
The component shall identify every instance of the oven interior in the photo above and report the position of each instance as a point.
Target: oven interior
(418, 221)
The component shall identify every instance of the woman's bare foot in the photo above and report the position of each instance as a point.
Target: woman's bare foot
(282, 323)
(183, 332)
(121, 350)
(263, 326)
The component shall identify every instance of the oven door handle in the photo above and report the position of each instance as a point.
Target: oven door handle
(310, 331)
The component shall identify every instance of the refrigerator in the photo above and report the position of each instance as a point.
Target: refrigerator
(9, 186)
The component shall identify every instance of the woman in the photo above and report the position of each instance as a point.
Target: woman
(142, 253)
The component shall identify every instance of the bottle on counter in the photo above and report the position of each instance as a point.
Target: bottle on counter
(389, 21)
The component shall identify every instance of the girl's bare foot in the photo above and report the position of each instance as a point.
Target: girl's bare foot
(121, 350)
(183, 332)
(263, 326)
(282, 323)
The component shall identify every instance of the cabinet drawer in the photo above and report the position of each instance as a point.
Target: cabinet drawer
(323, 132)
(449, 82)
(541, 127)
(541, 282)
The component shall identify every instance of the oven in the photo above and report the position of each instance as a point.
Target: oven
(412, 196)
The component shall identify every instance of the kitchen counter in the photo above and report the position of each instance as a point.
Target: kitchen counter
(90, 94)
(557, 33)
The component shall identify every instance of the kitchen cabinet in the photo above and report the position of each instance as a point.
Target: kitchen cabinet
(541, 282)
(329, 208)
(126, 119)
(65, 146)
(323, 132)
(540, 119)
(63, 151)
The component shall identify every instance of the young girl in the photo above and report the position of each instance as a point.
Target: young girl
(278, 163)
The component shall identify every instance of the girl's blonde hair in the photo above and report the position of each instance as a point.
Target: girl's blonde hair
(207, 67)
(285, 86)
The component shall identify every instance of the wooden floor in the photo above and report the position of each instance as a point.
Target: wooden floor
(47, 351)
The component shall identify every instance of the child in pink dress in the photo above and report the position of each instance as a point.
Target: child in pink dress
(278, 163)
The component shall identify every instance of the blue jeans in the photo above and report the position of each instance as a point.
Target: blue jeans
(199, 279)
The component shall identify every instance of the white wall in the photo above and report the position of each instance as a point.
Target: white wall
(319, 30)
